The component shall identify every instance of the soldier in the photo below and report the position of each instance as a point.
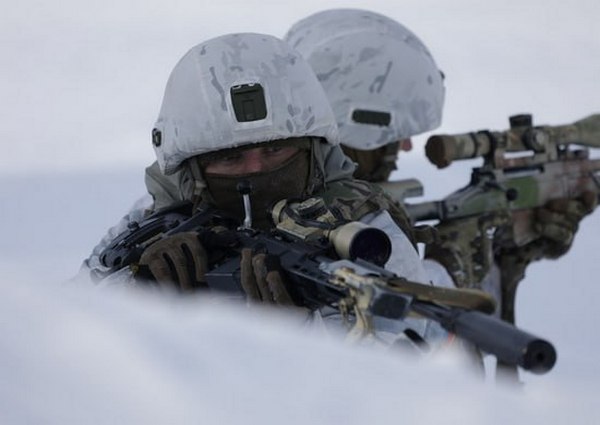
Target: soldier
(408, 97)
(381, 81)
(384, 87)
(248, 107)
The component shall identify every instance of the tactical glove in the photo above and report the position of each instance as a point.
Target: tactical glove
(179, 260)
(261, 278)
(558, 221)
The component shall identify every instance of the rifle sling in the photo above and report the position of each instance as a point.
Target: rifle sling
(467, 298)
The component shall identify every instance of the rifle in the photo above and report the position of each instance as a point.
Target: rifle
(523, 168)
(336, 264)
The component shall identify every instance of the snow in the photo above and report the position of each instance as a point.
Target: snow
(81, 86)
(81, 354)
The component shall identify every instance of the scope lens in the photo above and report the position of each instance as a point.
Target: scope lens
(372, 245)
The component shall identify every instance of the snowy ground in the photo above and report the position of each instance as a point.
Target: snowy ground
(81, 85)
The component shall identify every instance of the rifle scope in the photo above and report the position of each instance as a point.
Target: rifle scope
(311, 220)
(442, 149)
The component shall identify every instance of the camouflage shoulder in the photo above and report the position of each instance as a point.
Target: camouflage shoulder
(357, 198)
(398, 213)
(167, 189)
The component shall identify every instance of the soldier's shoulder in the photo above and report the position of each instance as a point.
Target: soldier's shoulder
(358, 198)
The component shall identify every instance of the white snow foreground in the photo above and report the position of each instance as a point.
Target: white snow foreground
(79, 354)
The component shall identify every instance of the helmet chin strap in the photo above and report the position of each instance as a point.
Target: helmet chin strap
(316, 176)
(200, 192)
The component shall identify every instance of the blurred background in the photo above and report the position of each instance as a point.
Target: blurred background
(82, 81)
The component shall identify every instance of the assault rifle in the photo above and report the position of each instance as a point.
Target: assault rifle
(338, 264)
(523, 168)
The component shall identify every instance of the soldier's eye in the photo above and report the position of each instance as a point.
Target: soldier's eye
(228, 159)
(273, 150)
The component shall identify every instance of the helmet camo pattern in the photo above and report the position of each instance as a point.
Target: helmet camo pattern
(235, 90)
(381, 80)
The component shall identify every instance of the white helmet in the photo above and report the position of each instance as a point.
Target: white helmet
(236, 90)
(381, 80)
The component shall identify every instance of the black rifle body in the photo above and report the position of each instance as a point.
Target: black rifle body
(310, 270)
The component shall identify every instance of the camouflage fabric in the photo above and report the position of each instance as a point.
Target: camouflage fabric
(464, 248)
(557, 222)
(373, 165)
(357, 198)
(380, 79)
(353, 198)
(166, 190)
(236, 90)
(468, 247)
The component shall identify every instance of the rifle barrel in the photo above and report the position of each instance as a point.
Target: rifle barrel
(423, 211)
(508, 343)
(583, 132)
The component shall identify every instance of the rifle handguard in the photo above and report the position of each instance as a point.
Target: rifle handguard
(469, 299)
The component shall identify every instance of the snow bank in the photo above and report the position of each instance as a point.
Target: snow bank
(75, 353)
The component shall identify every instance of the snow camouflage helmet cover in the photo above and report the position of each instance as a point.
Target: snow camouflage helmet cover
(381, 80)
(199, 113)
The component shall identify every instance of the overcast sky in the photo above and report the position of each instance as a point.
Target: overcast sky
(82, 81)
(81, 85)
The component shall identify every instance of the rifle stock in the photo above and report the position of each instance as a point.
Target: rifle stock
(513, 192)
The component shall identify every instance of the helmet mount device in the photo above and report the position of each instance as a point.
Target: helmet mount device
(248, 102)
(378, 118)
(263, 90)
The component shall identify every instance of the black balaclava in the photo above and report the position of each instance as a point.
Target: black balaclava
(287, 181)
(374, 165)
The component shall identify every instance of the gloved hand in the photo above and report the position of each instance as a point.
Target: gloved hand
(179, 260)
(261, 278)
(558, 221)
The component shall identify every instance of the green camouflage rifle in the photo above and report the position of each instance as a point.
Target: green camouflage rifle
(524, 168)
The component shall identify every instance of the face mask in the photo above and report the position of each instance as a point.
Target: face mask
(284, 182)
(375, 165)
